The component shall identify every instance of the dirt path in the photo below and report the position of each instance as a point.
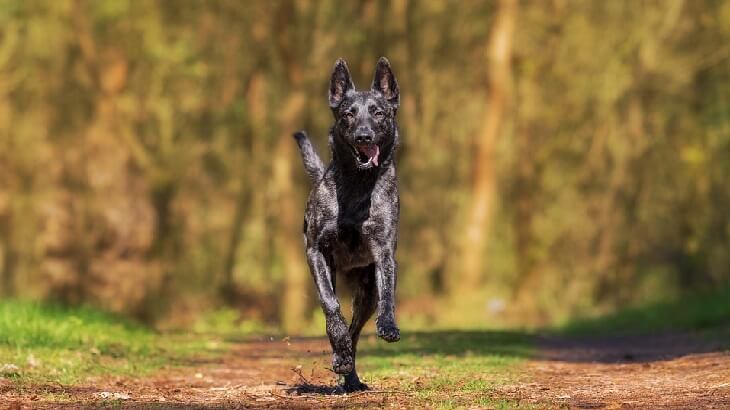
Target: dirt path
(669, 371)
(672, 371)
(259, 374)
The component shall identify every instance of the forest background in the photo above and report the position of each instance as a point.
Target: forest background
(559, 159)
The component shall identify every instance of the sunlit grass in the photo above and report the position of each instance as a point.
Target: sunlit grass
(62, 345)
(705, 311)
(447, 369)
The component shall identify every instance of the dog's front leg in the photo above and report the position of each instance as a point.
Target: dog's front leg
(385, 277)
(322, 270)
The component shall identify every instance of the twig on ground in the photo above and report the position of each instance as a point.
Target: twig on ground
(380, 392)
(298, 371)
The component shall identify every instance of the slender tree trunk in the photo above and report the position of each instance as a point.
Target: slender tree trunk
(469, 257)
(411, 35)
(289, 238)
(7, 268)
(241, 213)
(243, 203)
(227, 288)
(618, 212)
(525, 187)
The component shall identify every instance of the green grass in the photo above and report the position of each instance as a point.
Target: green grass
(51, 344)
(707, 311)
(447, 369)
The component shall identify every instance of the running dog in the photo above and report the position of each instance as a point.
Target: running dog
(351, 217)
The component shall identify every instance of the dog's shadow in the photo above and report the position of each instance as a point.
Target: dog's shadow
(305, 387)
(320, 389)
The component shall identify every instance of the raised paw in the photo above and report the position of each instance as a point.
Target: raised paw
(342, 364)
(388, 332)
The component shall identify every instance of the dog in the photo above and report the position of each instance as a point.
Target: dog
(351, 217)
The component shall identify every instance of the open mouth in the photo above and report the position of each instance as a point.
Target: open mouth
(367, 154)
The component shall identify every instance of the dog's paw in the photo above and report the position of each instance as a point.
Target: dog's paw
(352, 383)
(388, 331)
(342, 364)
(352, 387)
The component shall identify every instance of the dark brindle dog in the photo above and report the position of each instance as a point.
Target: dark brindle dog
(351, 220)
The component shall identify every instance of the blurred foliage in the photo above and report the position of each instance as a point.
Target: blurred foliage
(146, 164)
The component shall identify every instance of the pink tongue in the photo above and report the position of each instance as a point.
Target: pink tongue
(372, 152)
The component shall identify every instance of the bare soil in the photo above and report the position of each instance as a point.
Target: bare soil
(679, 371)
(666, 371)
(256, 374)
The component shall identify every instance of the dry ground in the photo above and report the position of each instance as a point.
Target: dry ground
(680, 371)
(669, 371)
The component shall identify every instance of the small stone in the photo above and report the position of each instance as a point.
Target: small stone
(113, 396)
(9, 369)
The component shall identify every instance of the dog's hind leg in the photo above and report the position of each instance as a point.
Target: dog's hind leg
(364, 302)
(323, 270)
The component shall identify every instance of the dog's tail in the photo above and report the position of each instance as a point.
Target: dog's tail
(312, 163)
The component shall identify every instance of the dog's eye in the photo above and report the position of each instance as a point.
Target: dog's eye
(379, 115)
(348, 116)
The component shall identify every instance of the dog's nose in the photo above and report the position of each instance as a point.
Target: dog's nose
(363, 138)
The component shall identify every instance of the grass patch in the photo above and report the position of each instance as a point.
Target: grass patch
(705, 311)
(447, 369)
(52, 344)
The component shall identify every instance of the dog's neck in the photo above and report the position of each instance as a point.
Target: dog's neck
(355, 186)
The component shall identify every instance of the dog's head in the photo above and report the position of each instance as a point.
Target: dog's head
(364, 120)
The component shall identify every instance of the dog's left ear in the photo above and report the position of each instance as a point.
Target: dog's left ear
(384, 82)
(340, 83)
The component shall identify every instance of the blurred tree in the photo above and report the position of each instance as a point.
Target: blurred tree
(468, 257)
(289, 242)
(146, 163)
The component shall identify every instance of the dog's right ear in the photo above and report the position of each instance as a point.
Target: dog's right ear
(340, 83)
(384, 82)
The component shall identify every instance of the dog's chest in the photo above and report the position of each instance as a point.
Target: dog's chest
(351, 250)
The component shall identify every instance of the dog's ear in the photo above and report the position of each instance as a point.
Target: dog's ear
(340, 83)
(384, 82)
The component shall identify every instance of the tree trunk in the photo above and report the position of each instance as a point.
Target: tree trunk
(243, 203)
(469, 258)
(227, 288)
(524, 211)
(289, 239)
(7, 267)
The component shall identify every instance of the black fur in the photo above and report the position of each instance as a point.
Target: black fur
(351, 219)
